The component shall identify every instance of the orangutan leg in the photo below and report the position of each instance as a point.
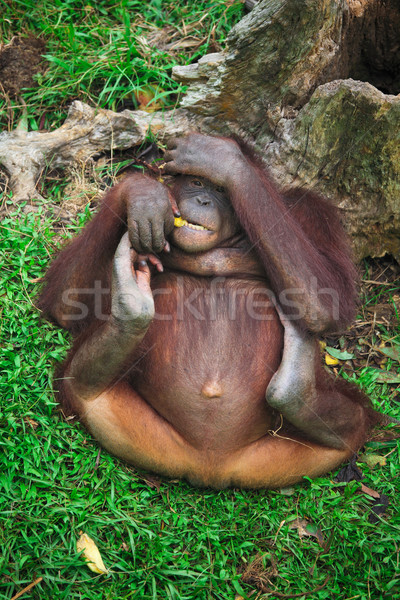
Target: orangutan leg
(129, 428)
(274, 462)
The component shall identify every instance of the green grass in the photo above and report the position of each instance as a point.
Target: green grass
(101, 53)
(175, 542)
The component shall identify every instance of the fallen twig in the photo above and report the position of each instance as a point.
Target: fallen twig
(27, 588)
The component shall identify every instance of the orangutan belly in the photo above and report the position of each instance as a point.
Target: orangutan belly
(205, 366)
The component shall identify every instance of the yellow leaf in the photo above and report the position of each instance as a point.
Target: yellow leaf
(91, 554)
(330, 361)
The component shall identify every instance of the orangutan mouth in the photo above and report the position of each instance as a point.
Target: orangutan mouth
(179, 222)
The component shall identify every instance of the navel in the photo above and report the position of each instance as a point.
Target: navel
(212, 389)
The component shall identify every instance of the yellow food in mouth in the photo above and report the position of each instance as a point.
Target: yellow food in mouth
(179, 222)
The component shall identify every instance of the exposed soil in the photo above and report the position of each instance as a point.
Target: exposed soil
(20, 60)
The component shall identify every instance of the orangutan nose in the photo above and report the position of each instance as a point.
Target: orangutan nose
(202, 201)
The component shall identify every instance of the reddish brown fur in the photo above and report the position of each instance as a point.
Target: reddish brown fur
(301, 221)
(321, 224)
(86, 259)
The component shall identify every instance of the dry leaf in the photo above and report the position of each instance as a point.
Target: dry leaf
(387, 377)
(369, 491)
(189, 42)
(91, 554)
(307, 528)
(287, 491)
(372, 460)
(153, 482)
(147, 100)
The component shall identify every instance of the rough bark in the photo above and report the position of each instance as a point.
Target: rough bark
(311, 84)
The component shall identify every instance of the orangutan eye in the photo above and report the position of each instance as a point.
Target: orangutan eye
(220, 189)
(197, 183)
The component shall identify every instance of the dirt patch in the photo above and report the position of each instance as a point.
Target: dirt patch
(20, 60)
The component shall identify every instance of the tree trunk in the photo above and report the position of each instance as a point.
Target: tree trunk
(313, 84)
